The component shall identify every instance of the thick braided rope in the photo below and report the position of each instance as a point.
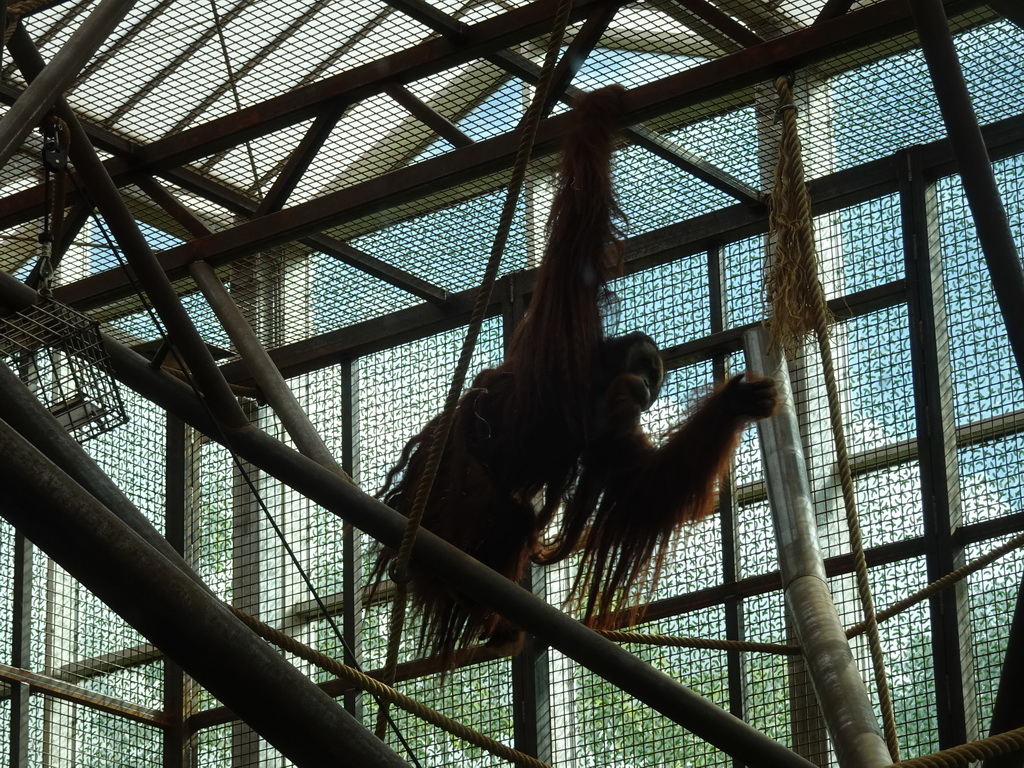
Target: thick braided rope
(698, 642)
(439, 439)
(795, 266)
(372, 685)
(964, 754)
(938, 585)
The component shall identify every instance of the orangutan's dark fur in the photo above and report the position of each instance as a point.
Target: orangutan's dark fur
(557, 424)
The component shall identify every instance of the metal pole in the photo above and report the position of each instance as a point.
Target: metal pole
(128, 235)
(837, 682)
(177, 615)
(1008, 711)
(979, 181)
(21, 653)
(463, 573)
(55, 78)
(268, 378)
(937, 457)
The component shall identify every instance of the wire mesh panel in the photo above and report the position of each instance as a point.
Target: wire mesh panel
(593, 723)
(384, 217)
(63, 733)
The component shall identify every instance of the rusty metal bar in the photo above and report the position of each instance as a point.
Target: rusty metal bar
(61, 689)
(432, 18)
(833, 9)
(178, 615)
(722, 21)
(840, 689)
(583, 43)
(319, 242)
(298, 161)
(973, 163)
(437, 122)
(264, 372)
(665, 148)
(55, 78)
(128, 235)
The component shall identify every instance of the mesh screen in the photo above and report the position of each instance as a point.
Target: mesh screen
(390, 209)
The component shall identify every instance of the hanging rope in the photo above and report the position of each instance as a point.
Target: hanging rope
(372, 685)
(530, 123)
(798, 307)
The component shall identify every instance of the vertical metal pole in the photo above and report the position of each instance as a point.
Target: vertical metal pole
(55, 78)
(246, 571)
(175, 746)
(531, 673)
(937, 455)
(837, 682)
(21, 650)
(734, 629)
(262, 368)
(975, 169)
(352, 574)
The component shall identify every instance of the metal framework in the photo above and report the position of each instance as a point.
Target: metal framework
(57, 498)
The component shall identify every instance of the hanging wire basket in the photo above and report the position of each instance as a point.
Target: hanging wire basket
(59, 354)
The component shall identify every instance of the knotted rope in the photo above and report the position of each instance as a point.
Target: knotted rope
(798, 307)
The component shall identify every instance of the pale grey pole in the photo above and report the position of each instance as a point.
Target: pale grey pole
(837, 682)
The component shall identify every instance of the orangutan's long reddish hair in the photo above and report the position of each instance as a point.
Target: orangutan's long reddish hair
(556, 427)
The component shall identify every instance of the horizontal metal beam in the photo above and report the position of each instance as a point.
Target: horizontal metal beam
(353, 85)
(78, 695)
(724, 75)
(829, 193)
(721, 21)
